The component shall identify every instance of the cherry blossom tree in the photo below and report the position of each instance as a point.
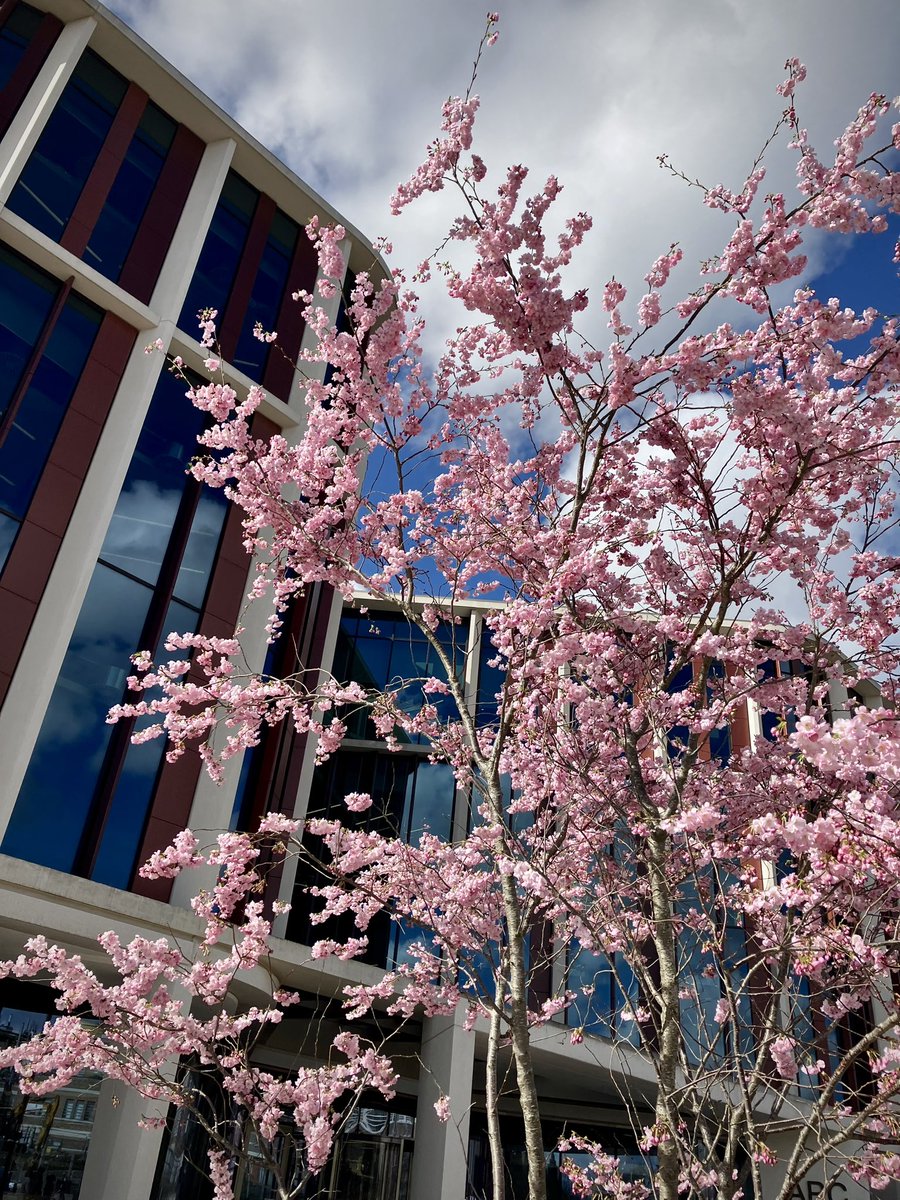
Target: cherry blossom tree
(680, 789)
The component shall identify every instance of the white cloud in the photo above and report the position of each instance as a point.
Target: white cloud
(348, 94)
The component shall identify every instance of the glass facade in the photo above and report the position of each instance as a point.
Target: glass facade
(380, 651)
(221, 254)
(61, 162)
(252, 355)
(151, 577)
(778, 720)
(372, 1158)
(46, 335)
(410, 795)
(224, 256)
(608, 995)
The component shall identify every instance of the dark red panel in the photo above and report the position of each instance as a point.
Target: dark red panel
(97, 382)
(55, 499)
(239, 300)
(159, 834)
(740, 729)
(76, 442)
(30, 561)
(148, 252)
(16, 615)
(279, 374)
(26, 72)
(113, 345)
(106, 168)
(226, 593)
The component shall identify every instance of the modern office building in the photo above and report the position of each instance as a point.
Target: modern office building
(128, 202)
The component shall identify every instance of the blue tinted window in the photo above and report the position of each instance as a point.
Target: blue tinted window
(26, 297)
(8, 530)
(59, 785)
(40, 400)
(607, 995)
(62, 160)
(120, 842)
(720, 738)
(382, 651)
(200, 550)
(679, 735)
(776, 720)
(14, 38)
(490, 679)
(409, 795)
(129, 196)
(221, 253)
(75, 740)
(251, 354)
(139, 532)
(30, 437)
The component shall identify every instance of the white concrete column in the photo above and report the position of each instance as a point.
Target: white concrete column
(838, 698)
(28, 123)
(48, 639)
(193, 224)
(122, 1156)
(447, 1058)
(331, 305)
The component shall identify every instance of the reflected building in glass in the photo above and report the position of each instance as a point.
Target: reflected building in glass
(128, 202)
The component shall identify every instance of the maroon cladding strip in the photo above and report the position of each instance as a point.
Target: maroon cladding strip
(103, 175)
(239, 300)
(278, 793)
(157, 228)
(34, 552)
(279, 374)
(177, 782)
(27, 70)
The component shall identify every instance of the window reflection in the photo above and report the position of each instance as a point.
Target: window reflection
(382, 651)
(75, 743)
(43, 1139)
(251, 354)
(221, 253)
(26, 296)
(34, 391)
(37, 420)
(607, 995)
(409, 796)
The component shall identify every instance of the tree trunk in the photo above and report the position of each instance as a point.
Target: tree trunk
(492, 1099)
(521, 1044)
(669, 1018)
